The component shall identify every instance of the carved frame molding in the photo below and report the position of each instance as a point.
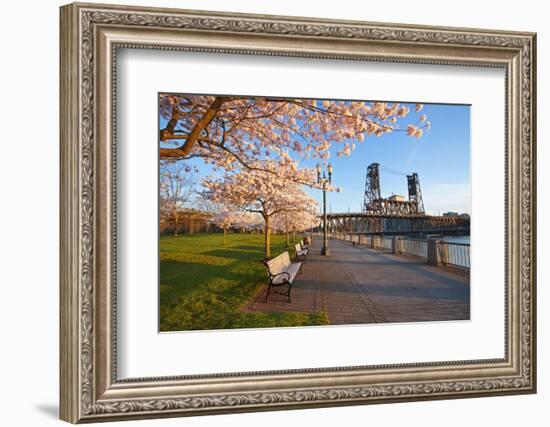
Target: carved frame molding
(90, 36)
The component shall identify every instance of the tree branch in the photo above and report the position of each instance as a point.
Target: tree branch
(192, 137)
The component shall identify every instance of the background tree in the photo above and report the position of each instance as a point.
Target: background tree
(248, 221)
(291, 222)
(228, 219)
(281, 223)
(176, 190)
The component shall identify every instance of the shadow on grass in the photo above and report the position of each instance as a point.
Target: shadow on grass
(179, 278)
(204, 283)
(235, 253)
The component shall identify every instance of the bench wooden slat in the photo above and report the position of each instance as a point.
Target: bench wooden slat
(300, 252)
(281, 271)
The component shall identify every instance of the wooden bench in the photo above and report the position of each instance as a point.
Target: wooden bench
(301, 252)
(281, 272)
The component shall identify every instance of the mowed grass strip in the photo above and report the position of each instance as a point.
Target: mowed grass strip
(204, 282)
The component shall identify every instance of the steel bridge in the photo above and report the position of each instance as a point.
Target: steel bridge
(374, 203)
(394, 215)
(371, 223)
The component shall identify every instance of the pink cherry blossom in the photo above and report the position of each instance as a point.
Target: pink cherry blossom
(265, 192)
(232, 132)
(411, 130)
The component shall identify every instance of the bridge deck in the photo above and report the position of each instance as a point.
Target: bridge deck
(361, 285)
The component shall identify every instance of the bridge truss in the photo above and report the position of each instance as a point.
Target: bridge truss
(374, 203)
(374, 223)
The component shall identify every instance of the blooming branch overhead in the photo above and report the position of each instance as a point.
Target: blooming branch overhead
(258, 191)
(233, 132)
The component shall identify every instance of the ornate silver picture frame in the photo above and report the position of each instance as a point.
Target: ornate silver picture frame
(90, 387)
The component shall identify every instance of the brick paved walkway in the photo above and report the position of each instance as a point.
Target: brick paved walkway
(360, 285)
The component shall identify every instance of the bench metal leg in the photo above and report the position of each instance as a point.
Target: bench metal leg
(268, 290)
(280, 293)
(289, 287)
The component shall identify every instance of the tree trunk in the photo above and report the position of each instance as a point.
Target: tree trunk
(224, 236)
(267, 240)
(287, 238)
(176, 225)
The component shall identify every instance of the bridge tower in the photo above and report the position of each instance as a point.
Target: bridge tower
(372, 188)
(415, 194)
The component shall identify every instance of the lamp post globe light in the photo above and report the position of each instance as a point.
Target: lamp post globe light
(323, 180)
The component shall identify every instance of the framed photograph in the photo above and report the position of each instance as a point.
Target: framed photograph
(267, 212)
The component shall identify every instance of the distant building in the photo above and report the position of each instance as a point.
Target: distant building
(457, 215)
(396, 198)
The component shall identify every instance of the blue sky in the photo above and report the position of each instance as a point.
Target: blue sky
(441, 157)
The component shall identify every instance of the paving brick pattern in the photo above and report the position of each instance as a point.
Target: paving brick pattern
(361, 285)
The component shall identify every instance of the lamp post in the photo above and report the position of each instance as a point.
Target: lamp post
(324, 180)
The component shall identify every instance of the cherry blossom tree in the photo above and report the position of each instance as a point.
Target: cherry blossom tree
(248, 221)
(290, 222)
(280, 223)
(235, 132)
(306, 221)
(227, 219)
(261, 192)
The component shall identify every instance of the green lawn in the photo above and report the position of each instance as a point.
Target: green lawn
(203, 283)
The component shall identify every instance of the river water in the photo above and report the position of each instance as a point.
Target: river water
(450, 239)
(455, 239)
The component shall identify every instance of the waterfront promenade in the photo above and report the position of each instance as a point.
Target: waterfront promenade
(356, 284)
